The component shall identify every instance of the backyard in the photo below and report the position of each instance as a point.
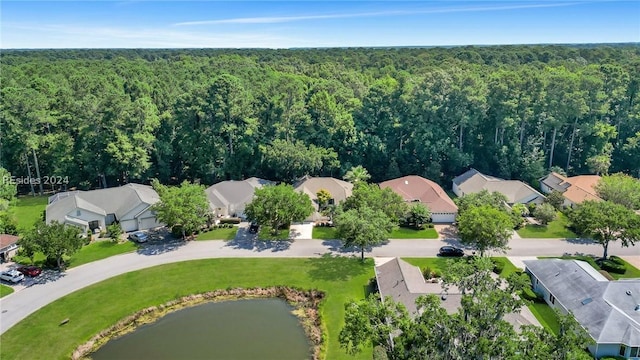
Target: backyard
(555, 229)
(96, 307)
(28, 211)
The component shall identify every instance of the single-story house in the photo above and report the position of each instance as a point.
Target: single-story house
(608, 310)
(415, 188)
(8, 246)
(339, 190)
(229, 198)
(575, 189)
(516, 191)
(404, 283)
(129, 205)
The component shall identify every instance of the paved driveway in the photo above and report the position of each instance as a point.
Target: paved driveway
(17, 306)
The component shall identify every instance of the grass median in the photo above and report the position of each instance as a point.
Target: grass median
(96, 307)
(329, 233)
(5, 290)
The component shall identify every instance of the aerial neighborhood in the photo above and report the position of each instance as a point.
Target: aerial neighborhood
(441, 203)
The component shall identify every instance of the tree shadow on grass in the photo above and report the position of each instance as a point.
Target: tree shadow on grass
(250, 241)
(330, 267)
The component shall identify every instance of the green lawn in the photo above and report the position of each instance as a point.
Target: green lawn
(100, 250)
(266, 234)
(96, 307)
(28, 210)
(324, 232)
(400, 233)
(439, 263)
(555, 229)
(5, 290)
(545, 315)
(409, 233)
(219, 234)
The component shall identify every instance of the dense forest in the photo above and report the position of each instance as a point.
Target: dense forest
(104, 117)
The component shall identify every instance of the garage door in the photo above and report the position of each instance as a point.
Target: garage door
(129, 225)
(148, 223)
(443, 218)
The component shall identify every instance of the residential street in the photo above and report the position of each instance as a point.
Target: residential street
(23, 302)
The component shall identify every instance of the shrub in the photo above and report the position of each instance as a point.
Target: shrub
(379, 353)
(616, 260)
(176, 231)
(529, 294)
(231, 220)
(612, 267)
(498, 266)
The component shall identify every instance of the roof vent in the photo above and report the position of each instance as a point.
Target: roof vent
(406, 182)
(586, 301)
(629, 292)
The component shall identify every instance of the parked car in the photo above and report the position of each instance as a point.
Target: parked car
(139, 237)
(450, 251)
(31, 271)
(12, 276)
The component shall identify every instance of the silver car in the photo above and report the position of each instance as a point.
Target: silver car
(12, 276)
(139, 237)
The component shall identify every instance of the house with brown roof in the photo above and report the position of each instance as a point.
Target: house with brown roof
(8, 246)
(516, 191)
(339, 190)
(415, 188)
(575, 189)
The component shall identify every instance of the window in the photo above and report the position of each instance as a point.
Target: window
(623, 350)
(77, 212)
(332, 201)
(635, 352)
(552, 298)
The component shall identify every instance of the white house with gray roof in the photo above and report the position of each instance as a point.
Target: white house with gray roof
(229, 198)
(129, 205)
(516, 191)
(608, 310)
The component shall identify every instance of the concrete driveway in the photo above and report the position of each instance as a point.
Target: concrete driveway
(301, 231)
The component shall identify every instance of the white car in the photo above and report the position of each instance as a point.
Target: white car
(12, 276)
(139, 237)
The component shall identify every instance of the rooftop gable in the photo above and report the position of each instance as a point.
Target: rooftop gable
(417, 188)
(339, 189)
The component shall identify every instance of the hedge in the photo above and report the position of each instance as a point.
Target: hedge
(612, 267)
(231, 220)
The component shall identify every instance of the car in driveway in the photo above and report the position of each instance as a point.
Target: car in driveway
(450, 251)
(31, 271)
(139, 237)
(12, 276)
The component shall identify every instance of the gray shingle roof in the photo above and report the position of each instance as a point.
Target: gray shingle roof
(600, 306)
(117, 200)
(474, 181)
(234, 194)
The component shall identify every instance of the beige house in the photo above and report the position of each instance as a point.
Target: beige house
(516, 191)
(8, 246)
(575, 189)
(229, 198)
(339, 190)
(129, 205)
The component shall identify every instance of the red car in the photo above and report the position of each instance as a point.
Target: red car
(31, 271)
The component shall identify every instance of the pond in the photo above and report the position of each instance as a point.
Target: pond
(241, 329)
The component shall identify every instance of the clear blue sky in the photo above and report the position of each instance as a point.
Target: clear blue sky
(284, 24)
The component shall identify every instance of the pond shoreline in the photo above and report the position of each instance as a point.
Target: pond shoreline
(304, 302)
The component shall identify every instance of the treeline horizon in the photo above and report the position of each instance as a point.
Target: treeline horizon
(103, 117)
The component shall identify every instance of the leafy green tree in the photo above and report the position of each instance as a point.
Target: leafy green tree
(485, 228)
(8, 189)
(544, 213)
(484, 197)
(520, 209)
(54, 240)
(555, 199)
(323, 197)
(363, 227)
(288, 161)
(7, 224)
(419, 214)
(621, 189)
(356, 174)
(371, 196)
(115, 232)
(185, 206)
(277, 206)
(604, 222)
